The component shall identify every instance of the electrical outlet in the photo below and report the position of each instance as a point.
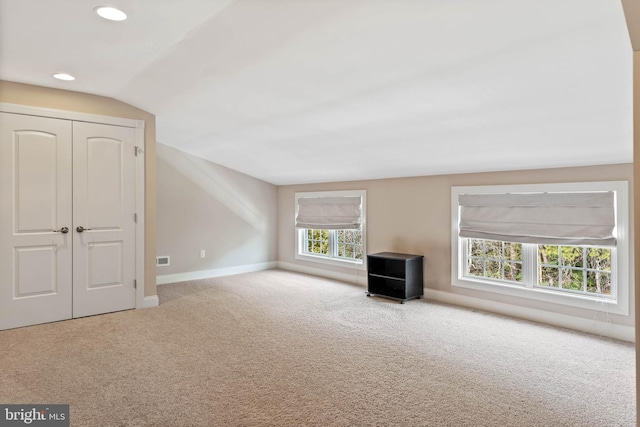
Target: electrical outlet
(202, 253)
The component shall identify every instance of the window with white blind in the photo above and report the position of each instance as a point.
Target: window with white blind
(561, 243)
(330, 227)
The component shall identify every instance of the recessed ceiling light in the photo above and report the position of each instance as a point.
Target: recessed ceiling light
(64, 76)
(111, 13)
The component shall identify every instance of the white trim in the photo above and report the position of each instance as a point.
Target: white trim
(151, 301)
(355, 278)
(337, 262)
(622, 271)
(69, 115)
(217, 272)
(597, 327)
(140, 215)
(621, 332)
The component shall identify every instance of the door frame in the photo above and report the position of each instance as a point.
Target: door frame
(138, 125)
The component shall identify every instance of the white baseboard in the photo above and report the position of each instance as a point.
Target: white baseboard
(358, 276)
(151, 301)
(216, 272)
(597, 327)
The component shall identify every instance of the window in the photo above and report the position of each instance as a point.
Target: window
(578, 269)
(586, 276)
(342, 246)
(581, 269)
(316, 242)
(349, 244)
(494, 260)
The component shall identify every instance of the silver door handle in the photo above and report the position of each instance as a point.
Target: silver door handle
(63, 230)
(80, 229)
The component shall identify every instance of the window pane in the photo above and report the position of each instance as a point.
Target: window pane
(572, 256)
(548, 276)
(358, 237)
(548, 254)
(349, 244)
(476, 267)
(513, 251)
(572, 279)
(359, 252)
(494, 259)
(494, 269)
(348, 251)
(573, 270)
(317, 241)
(476, 247)
(598, 282)
(513, 271)
(599, 258)
(494, 249)
(349, 236)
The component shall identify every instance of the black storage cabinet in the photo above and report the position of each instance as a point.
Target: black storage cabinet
(396, 276)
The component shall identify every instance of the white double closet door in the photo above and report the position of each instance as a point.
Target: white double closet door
(67, 228)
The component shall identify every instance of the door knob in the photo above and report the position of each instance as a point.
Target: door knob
(80, 229)
(63, 230)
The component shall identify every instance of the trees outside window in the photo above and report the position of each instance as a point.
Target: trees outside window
(575, 268)
(341, 244)
(578, 269)
(495, 260)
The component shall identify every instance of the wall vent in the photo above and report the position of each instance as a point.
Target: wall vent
(162, 261)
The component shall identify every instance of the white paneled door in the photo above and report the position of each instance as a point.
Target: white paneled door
(67, 229)
(103, 218)
(35, 210)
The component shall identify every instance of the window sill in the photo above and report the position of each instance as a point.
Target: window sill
(596, 303)
(337, 262)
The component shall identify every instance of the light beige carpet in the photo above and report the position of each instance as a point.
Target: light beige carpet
(281, 349)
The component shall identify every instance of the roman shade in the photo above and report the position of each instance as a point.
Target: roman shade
(540, 218)
(329, 213)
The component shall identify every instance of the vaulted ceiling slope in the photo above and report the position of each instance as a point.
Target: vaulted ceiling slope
(297, 91)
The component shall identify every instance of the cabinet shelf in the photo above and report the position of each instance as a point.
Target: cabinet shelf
(394, 275)
(386, 277)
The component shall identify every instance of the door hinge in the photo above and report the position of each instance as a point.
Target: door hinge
(135, 218)
(135, 284)
(137, 150)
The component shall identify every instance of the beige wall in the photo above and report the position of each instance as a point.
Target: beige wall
(202, 205)
(36, 96)
(413, 215)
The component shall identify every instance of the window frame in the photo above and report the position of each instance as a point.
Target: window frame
(300, 253)
(332, 245)
(306, 240)
(585, 270)
(502, 259)
(621, 269)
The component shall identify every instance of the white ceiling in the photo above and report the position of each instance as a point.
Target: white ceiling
(297, 91)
